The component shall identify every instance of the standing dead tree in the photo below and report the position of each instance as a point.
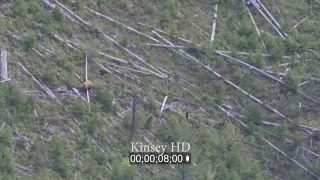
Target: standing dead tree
(134, 104)
(3, 64)
(214, 22)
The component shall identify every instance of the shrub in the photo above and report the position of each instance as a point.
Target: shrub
(254, 113)
(56, 14)
(30, 40)
(291, 82)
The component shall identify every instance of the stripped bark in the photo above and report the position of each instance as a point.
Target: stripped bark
(119, 23)
(47, 90)
(3, 64)
(214, 23)
(264, 74)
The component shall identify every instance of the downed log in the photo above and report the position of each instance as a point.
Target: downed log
(163, 32)
(113, 58)
(70, 12)
(269, 21)
(167, 46)
(205, 32)
(228, 81)
(245, 53)
(47, 90)
(214, 23)
(257, 30)
(114, 21)
(299, 23)
(3, 64)
(264, 74)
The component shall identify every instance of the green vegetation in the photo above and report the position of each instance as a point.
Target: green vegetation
(67, 137)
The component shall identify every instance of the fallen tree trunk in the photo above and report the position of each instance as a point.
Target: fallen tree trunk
(228, 82)
(264, 74)
(48, 91)
(114, 21)
(205, 32)
(299, 23)
(257, 30)
(163, 32)
(167, 46)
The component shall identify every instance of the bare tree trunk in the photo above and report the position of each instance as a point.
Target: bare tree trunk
(3, 64)
(214, 23)
(134, 103)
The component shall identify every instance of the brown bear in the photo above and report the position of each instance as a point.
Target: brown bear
(87, 86)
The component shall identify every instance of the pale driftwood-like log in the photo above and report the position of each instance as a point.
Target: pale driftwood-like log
(3, 64)
(17, 38)
(270, 123)
(2, 126)
(113, 58)
(291, 142)
(162, 75)
(159, 73)
(119, 23)
(37, 52)
(163, 32)
(62, 40)
(268, 34)
(48, 4)
(257, 30)
(70, 12)
(299, 23)
(286, 64)
(29, 171)
(269, 21)
(229, 82)
(78, 93)
(167, 46)
(50, 52)
(163, 103)
(104, 68)
(273, 146)
(205, 32)
(270, 15)
(146, 73)
(284, 154)
(281, 74)
(214, 22)
(245, 53)
(48, 91)
(264, 74)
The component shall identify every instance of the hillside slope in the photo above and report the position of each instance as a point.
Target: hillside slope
(251, 94)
